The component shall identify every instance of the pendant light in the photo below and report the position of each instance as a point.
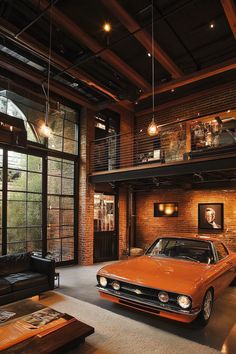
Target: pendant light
(44, 130)
(153, 128)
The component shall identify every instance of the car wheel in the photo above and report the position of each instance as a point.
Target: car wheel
(207, 304)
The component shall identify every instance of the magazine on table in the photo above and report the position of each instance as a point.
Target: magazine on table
(6, 315)
(42, 317)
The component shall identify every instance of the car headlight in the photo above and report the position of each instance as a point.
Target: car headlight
(103, 281)
(184, 301)
(163, 296)
(116, 285)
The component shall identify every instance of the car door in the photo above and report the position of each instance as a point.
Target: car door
(224, 268)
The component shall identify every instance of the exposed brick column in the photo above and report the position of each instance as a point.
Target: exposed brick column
(126, 158)
(86, 190)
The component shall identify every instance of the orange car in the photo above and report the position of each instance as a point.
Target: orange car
(178, 278)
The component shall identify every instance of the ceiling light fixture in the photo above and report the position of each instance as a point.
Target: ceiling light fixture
(153, 129)
(107, 27)
(44, 130)
(212, 25)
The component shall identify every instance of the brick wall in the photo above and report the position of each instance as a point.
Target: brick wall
(218, 99)
(149, 227)
(86, 190)
(123, 233)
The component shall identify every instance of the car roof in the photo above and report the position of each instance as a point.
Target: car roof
(194, 237)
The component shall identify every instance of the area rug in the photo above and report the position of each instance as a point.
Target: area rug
(115, 334)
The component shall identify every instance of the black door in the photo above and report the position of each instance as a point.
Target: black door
(105, 234)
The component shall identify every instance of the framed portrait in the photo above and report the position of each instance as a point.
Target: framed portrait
(211, 217)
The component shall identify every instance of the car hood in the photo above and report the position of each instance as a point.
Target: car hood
(170, 274)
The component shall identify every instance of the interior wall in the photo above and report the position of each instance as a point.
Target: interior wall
(217, 99)
(148, 227)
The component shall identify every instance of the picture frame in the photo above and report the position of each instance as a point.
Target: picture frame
(211, 217)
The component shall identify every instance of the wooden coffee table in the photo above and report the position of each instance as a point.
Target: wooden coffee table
(55, 342)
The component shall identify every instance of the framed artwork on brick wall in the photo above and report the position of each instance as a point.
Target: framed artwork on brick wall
(211, 216)
(165, 209)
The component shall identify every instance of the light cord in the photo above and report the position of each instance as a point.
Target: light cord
(153, 66)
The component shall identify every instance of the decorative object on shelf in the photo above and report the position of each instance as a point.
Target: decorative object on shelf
(153, 128)
(165, 209)
(211, 216)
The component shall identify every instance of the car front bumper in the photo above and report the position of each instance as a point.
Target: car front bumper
(148, 306)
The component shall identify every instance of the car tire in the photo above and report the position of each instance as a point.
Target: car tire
(207, 304)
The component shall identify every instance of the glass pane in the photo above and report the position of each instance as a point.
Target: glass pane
(16, 180)
(67, 186)
(16, 235)
(16, 212)
(69, 130)
(68, 170)
(54, 249)
(55, 142)
(34, 182)
(0, 215)
(35, 246)
(70, 146)
(53, 217)
(33, 197)
(54, 167)
(17, 161)
(34, 233)
(67, 203)
(67, 249)
(53, 202)
(34, 214)
(104, 212)
(67, 217)
(53, 232)
(16, 196)
(66, 231)
(54, 185)
(34, 163)
(55, 122)
(16, 247)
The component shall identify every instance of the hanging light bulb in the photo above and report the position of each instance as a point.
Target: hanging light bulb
(45, 130)
(153, 128)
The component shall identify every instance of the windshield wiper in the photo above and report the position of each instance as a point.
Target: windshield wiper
(190, 258)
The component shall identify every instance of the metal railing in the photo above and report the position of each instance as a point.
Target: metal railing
(176, 142)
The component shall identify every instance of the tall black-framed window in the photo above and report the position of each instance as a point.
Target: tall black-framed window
(38, 187)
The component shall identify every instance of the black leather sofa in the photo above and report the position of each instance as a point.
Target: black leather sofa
(23, 275)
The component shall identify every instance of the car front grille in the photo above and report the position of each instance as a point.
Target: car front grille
(135, 291)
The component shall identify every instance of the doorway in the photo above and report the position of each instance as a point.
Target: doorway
(105, 228)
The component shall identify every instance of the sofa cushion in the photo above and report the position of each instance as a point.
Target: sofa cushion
(14, 263)
(5, 286)
(26, 280)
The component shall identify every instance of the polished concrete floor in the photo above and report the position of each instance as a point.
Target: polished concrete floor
(220, 333)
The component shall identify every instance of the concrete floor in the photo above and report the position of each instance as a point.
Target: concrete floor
(220, 333)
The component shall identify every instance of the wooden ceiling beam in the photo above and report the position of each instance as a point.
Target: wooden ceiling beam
(194, 77)
(9, 31)
(230, 12)
(143, 37)
(18, 68)
(106, 54)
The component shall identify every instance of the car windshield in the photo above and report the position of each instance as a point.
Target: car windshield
(185, 249)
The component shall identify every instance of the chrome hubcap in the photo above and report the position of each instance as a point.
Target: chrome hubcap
(207, 305)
